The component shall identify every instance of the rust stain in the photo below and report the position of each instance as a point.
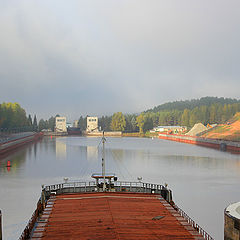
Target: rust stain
(95, 216)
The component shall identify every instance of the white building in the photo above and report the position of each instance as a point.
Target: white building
(174, 129)
(92, 124)
(61, 124)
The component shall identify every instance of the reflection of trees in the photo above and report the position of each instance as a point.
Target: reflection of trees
(35, 149)
(117, 154)
(16, 159)
(199, 161)
(46, 144)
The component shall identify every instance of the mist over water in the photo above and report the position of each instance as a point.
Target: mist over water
(204, 181)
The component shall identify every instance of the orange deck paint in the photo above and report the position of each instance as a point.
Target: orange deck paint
(100, 216)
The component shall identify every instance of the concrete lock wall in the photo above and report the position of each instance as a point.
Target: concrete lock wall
(232, 222)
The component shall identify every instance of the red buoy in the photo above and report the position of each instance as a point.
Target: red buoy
(8, 164)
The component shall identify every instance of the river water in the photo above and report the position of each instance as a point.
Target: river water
(204, 181)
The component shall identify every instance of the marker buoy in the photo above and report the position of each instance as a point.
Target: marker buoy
(8, 164)
(51, 136)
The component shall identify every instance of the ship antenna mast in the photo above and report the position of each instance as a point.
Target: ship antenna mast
(103, 163)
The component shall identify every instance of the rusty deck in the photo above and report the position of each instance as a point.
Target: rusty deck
(101, 216)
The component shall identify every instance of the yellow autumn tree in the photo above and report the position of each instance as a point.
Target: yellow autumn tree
(118, 122)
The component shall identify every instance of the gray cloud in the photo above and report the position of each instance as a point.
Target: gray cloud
(98, 57)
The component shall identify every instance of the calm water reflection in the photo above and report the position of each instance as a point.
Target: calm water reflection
(204, 181)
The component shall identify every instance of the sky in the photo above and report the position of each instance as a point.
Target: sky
(99, 57)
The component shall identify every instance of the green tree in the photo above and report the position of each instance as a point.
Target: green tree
(35, 125)
(193, 118)
(140, 122)
(118, 122)
(219, 112)
(148, 123)
(82, 123)
(128, 127)
(42, 125)
(225, 115)
(203, 115)
(12, 116)
(154, 118)
(162, 120)
(30, 120)
(213, 113)
(185, 117)
(134, 124)
(51, 123)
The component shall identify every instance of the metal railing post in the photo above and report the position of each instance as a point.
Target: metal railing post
(193, 224)
(0, 225)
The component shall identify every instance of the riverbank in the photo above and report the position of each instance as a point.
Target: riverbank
(11, 142)
(54, 133)
(138, 134)
(106, 134)
(219, 144)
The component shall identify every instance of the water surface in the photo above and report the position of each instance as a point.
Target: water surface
(204, 181)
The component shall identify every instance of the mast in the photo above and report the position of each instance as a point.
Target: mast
(103, 163)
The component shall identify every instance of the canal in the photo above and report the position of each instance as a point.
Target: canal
(204, 181)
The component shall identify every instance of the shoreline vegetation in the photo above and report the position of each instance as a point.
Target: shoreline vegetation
(206, 110)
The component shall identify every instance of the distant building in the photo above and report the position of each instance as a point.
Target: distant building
(92, 124)
(61, 124)
(174, 129)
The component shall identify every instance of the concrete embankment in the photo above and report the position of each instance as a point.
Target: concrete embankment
(55, 134)
(13, 141)
(106, 134)
(219, 144)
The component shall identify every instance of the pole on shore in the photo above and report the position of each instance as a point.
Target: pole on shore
(0, 225)
(103, 164)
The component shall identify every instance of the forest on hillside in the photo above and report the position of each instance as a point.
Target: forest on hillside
(207, 110)
(193, 103)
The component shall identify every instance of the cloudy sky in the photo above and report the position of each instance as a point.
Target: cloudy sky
(102, 56)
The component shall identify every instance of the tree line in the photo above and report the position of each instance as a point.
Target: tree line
(13, 117)
(193, 103)
(217, 112)
(208, 110)
(47, 124)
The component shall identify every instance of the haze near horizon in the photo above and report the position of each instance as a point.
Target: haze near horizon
(98, 57)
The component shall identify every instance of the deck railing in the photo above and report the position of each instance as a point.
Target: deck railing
(193, 224)
(74, 187)
(28, 229)
(119, 186)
